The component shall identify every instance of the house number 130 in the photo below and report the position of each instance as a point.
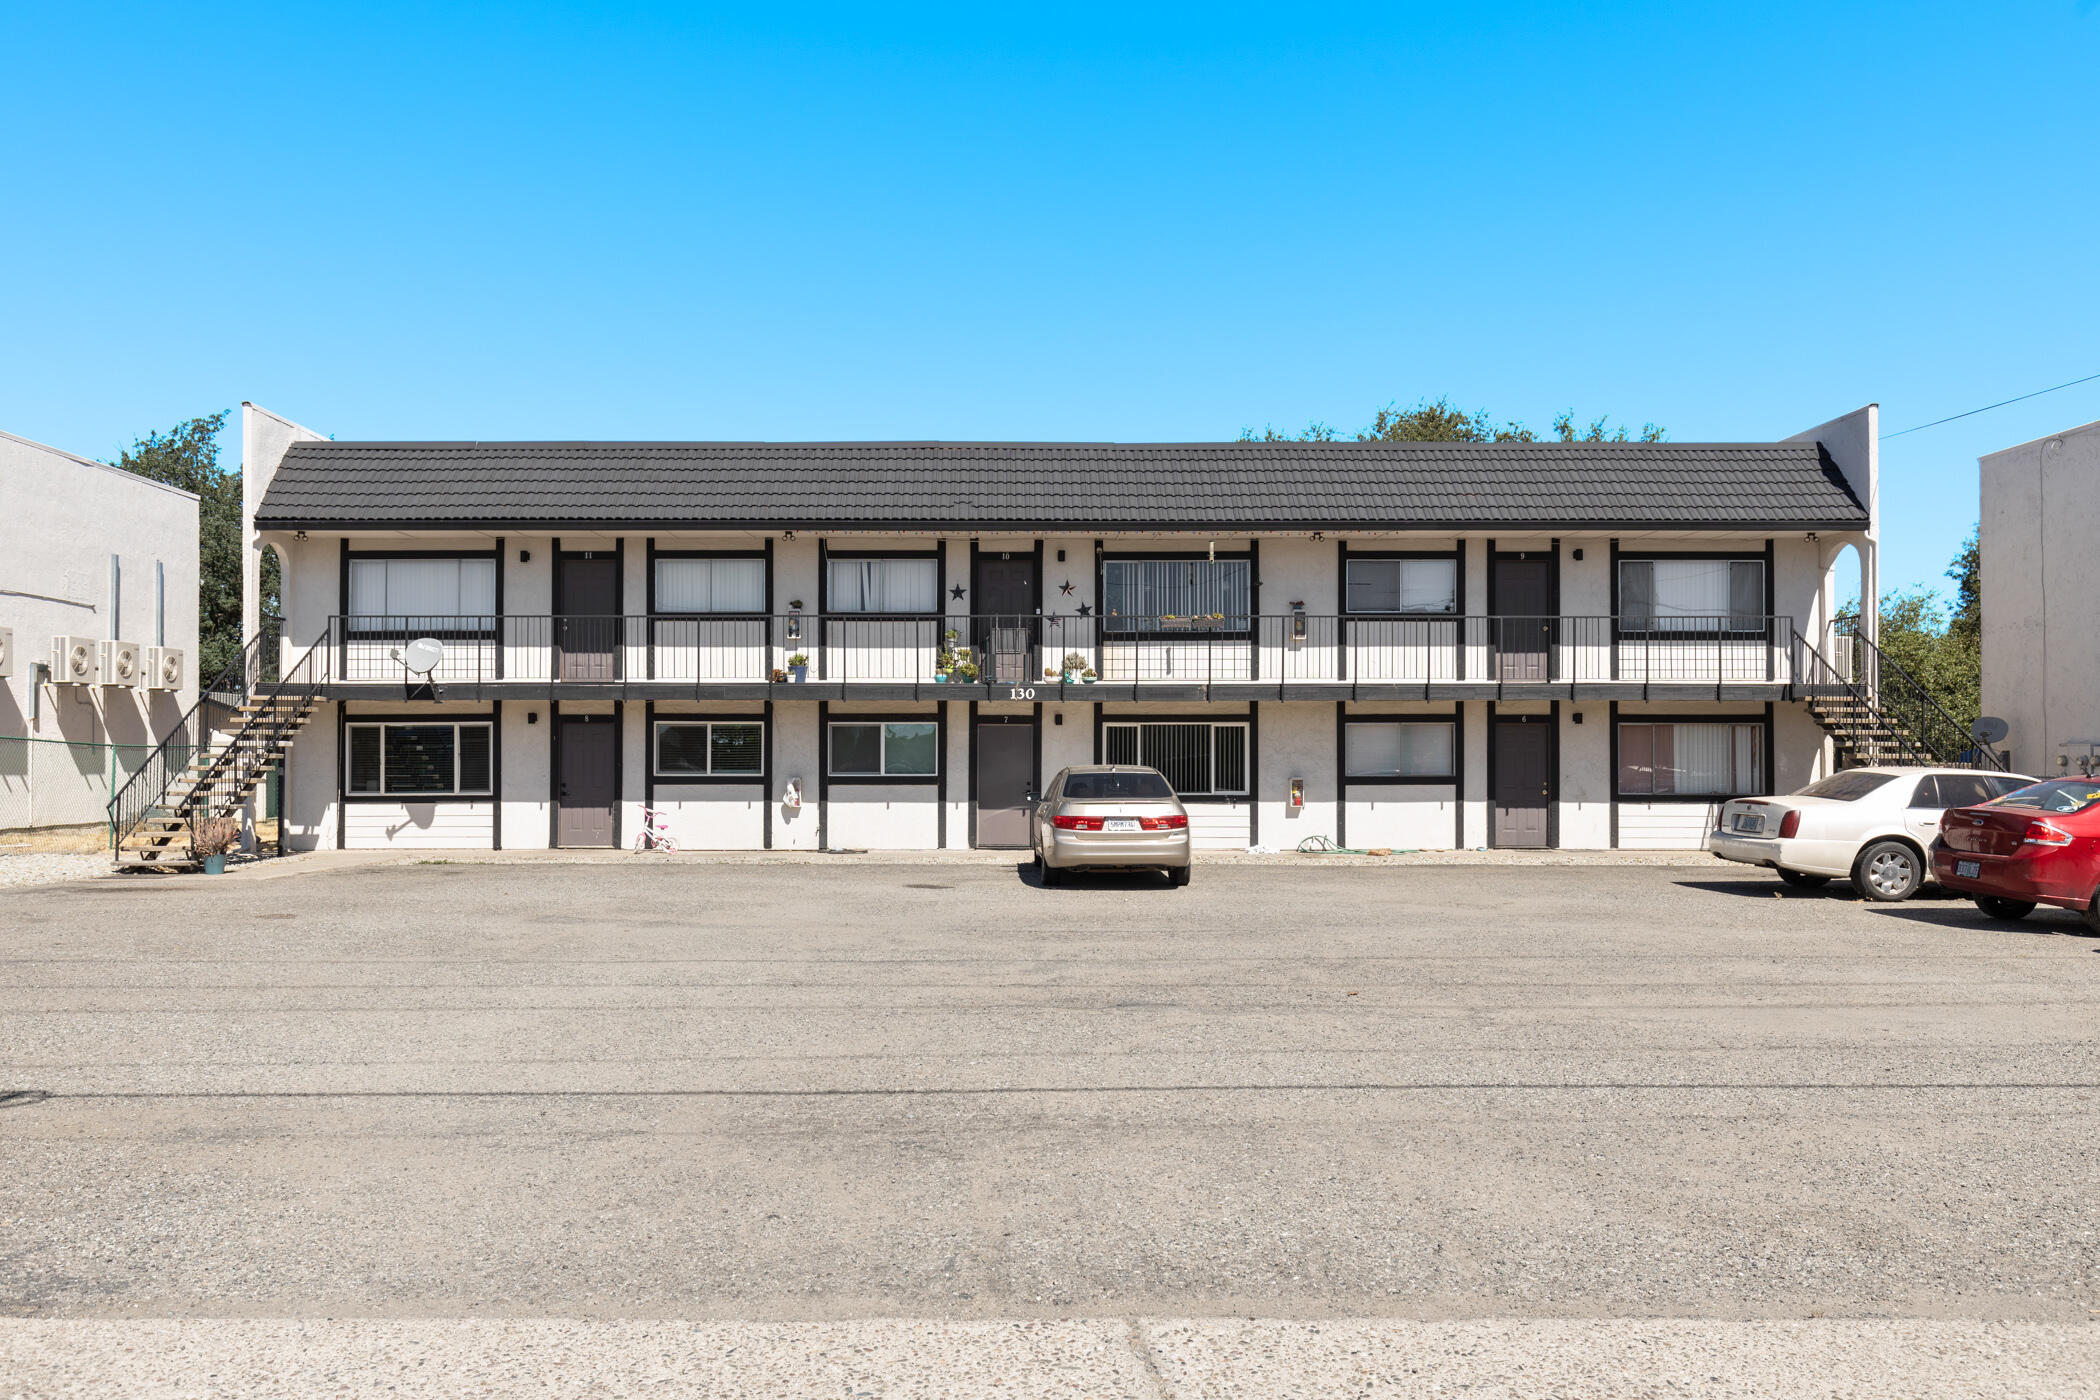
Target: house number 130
(1020, 692)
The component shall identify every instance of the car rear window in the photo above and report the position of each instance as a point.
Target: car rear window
(1847, 787)
(1117, 787)
(2054, 795)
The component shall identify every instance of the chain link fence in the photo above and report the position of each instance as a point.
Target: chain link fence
(56, 782)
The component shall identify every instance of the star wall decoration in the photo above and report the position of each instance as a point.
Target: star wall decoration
(956, 593)
(1086, 609)
(1065, 588)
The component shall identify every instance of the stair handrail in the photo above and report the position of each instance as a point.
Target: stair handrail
(271, 725)
(258, 663)
(1896, 696)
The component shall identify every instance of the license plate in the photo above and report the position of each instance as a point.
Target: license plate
(1968, 869)
(1750, 825)
(1120, 824)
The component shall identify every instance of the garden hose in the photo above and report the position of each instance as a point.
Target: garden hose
(1322, 846)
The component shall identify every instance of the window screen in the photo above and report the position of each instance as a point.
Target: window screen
(710, 585)
(1402, 586)
(710, 748)
(421, 760)
(1691, 760)
(1400, 750)
(1199, 759)
(1137, 594)
(429, 587)
(1692, 595)
(883, 586)
(900, 750)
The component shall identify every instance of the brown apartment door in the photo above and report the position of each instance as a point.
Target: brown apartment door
(1523, 618)
(587, 630)
(583, 810)
(1523, 764)
(1007, 621)
(1005, 775)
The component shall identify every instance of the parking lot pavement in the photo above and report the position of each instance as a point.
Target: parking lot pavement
(740, 1093)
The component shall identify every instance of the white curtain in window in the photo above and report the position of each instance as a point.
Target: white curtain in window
(1399, 750)
(1691, 588)
(884, 586)
(710, 585)
(1704, 758)
(434, 587)
(1402, 586)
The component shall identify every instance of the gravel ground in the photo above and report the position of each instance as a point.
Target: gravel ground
(1101, 1359)
(20, 868)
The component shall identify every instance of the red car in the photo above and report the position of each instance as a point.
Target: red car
(2039, 844)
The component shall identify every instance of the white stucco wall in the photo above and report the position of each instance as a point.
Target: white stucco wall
(65, 516)
(1585, 776)
(2041, 668)
(1297, 741)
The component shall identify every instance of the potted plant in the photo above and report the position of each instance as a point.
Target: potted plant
(1075, 662)
(211, 838)
(798, 668)
(944, 665)
(966, 672)
(777, 676)
(1049, 673)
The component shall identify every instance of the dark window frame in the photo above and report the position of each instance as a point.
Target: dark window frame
(671, 778)
(765, 608)
(1245, 722)
(938, 555)
(1450, 556)
(351, 632)
(487, 721)
(933, 721)
(1765, 757)
(1621, 558)
(1448, 780)
(1107, 634)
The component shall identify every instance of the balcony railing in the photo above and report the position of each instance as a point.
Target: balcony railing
(1031, 649)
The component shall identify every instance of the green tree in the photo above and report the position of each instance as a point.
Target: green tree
(187, 456)
(1941, 647)
(1439, 420)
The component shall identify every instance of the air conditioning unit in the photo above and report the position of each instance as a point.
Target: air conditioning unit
(123, 664)
(76, 661)
(163, 668)
(7, 652)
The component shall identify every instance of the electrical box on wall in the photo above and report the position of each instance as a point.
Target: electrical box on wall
(1297, 792)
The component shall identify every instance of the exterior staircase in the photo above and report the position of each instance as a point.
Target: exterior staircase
(211, 763)
(1880, 716)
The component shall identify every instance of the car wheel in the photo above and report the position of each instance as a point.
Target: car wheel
(1051, 876)
(1178, 876)
(1802, 880)
(1888, 871)
(1999, 907)
(2092, 913)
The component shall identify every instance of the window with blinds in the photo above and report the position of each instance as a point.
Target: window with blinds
(429, 587)
(1199, 759)
(711, 586)
(419, 760)
(1401, 586)
(710, 749)
(1400, 749)
(1147, 595)
(1692, 595)
(909, 585)
(1691, 760)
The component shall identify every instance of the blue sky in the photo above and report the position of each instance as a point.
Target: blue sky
(674, 221)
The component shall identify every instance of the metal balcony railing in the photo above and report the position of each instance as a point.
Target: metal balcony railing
(1018, 649)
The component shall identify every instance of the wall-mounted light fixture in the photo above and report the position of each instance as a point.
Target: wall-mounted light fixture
(524, 556)
(1578, 716)
(1060, 556)
(532, 716)
(788, 535)
(299, 535)
(1578, 556)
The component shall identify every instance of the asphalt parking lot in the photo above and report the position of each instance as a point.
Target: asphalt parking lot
(818, 1093)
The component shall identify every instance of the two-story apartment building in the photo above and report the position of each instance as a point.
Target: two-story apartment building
(889, 645)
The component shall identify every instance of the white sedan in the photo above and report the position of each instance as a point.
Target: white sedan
(1872, 826)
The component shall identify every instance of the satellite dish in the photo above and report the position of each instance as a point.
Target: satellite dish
(1989, 730)
(420, 656)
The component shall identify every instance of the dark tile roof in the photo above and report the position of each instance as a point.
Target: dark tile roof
(1058, 485)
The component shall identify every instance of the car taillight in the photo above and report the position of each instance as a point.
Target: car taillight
(2040, 833)
(1163, 823)
(1076, 823)
(1790, 824)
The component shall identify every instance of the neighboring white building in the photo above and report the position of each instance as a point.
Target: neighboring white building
(1416, 644)
(2039, 521)
(105, 561)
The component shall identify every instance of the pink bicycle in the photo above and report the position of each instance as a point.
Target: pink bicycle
(655, 835)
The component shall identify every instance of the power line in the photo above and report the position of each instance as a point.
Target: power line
(1988, 407)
